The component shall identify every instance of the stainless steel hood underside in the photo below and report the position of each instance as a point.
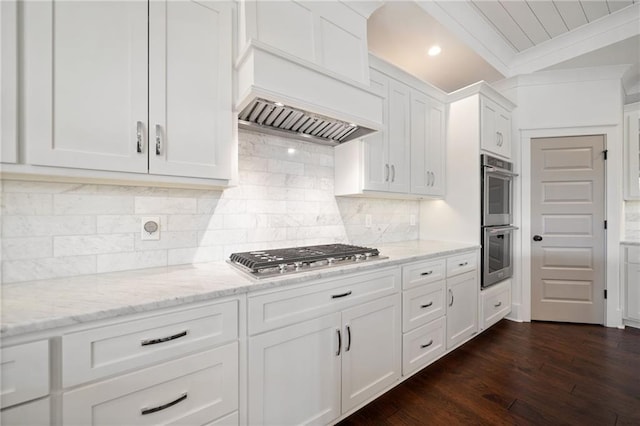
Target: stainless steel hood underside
(276, 118)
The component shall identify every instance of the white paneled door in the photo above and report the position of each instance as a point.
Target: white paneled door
(567, 224)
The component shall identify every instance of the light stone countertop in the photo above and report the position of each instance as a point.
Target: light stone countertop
(630, 243)
(45, 304)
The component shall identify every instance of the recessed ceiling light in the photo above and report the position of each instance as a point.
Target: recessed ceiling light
(434, 50)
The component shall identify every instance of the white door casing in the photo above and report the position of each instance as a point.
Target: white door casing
(567, 212)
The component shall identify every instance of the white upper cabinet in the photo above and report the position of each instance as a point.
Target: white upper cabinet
(190, 101)
(85, 84)
(495, 124)
(328, 34)
(406, 159)
(427, 145)
(632, 151)
(128, 86)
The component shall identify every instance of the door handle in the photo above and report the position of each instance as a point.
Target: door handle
(537, 238)
(339, 342)
(386, 173)
(346, 349)
(158, 139)
(139, 137)
(451, 294)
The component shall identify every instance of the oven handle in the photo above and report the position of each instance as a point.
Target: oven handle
(496, 230)
(490, 169)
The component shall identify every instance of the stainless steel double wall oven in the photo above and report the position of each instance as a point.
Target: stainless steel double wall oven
(497, 220)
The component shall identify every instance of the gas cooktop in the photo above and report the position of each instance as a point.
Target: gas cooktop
(270, 263)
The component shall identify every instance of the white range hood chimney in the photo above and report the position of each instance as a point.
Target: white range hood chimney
(303, 71)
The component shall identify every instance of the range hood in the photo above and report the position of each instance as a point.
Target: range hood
(284, 95)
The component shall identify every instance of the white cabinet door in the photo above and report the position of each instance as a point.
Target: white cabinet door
(427, 145)
(294, 373)
(462, 308)
(399, 104)
(190, 89)
(376, 148)
(496, 128)
(633, 291)
(371, 359)
(85, 84)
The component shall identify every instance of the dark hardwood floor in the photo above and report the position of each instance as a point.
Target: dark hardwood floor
(522, 373)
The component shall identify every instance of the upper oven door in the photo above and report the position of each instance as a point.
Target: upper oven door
(496, 197)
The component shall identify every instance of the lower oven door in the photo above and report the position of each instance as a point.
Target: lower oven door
(497, 254)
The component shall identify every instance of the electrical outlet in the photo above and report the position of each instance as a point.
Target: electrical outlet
(150, 228)
(367, 221)
(412, 220)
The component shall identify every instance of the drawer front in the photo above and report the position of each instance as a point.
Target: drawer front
(422, 305)
(460, 264)
(496, 304)
(103, 351)
(417, 274)
(35, 413)
(24, 370)
(633, 254)
(423, 345)
(281, 308)
(196, 389)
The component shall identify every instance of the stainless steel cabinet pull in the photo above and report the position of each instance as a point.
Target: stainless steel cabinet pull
(451, 294)
(146, 411)
(339, 342)
(426, 345)
(427, 305)
(393, 173)
(158, 140)
(497, 305)
(147, 342)
(386, 173)
(139, 136)
(348, 339)
(433, 178)
(337, 296)
(426, 273)
(463, 264)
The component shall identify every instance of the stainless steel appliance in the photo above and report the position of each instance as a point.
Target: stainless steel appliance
(497, 220)
(497, 183)
(276, 262)
(497, 253)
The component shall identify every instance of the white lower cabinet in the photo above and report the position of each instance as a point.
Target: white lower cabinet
(312, 372)
(423, 345)
(35, 413)
(462, 308)
(190, 390)
(632, 286)
(495, 303)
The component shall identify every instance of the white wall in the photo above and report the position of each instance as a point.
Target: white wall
(562, 103)
(284, 198)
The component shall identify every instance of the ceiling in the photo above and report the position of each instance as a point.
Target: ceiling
(490, 39)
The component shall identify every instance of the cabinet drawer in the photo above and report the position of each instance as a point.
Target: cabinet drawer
(423, 345)
(35, 413)
(192, 390)
(420, 273)
(277, 309)
(422, 305)
(24, 372)
(103, 351)
(460, 264)
(232, 419)
(496, 303)
(633, 254)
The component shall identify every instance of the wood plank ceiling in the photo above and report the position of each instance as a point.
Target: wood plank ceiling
(527, 23)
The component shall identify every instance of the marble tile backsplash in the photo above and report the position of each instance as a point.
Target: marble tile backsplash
(284, 198)
(632, 220)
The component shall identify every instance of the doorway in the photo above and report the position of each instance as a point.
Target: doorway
(568, 229)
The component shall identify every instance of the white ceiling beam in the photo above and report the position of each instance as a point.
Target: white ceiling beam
(464, 21)
(611, 29)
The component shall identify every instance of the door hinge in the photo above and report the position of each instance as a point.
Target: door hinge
(605, 224)
(605, 293)
(605, 152)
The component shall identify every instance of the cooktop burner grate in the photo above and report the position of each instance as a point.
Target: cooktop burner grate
(261, 259)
